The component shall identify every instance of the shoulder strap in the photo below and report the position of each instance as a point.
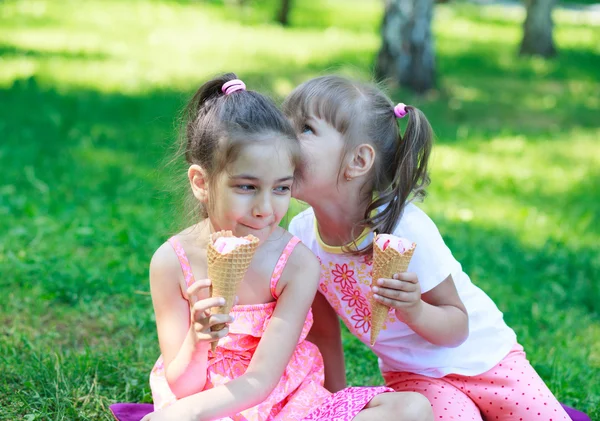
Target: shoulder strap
(285, 255)
(186, 268)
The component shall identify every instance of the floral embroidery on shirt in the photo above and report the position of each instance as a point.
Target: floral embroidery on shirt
(362, 319)
(354, 297)
(367, 259)
(343, 275)
(346, 286)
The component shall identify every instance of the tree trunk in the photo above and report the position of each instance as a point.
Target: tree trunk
(284, 12)
(407, 53)
(537, 29)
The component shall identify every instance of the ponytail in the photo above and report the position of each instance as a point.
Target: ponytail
(409, 176)
(200, 106)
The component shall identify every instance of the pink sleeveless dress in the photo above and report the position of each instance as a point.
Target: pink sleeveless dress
(299, 395)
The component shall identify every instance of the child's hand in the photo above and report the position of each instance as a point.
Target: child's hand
(202, 319)
(402, 293)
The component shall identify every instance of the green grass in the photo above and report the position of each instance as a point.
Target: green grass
(89, 93)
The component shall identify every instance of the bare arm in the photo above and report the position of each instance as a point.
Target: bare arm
(216, 403)
(300, 280)
(185, 361)
(326, 334)
(438, 316)
(443, 319)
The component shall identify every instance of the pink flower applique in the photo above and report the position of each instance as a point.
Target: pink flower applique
(362, 319)
(354, 297)
(343, 275)
(367, 259)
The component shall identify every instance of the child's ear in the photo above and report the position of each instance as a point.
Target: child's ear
(361, 161)
(199, 182)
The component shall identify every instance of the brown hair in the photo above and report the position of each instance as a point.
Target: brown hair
(217, 126)
(361, 112)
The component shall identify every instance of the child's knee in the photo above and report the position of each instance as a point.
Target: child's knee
(417, 407)
(407, 406)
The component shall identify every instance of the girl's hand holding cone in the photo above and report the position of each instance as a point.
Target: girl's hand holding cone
(228, 260)
(200, 310)
(391, 286)
(402, 293)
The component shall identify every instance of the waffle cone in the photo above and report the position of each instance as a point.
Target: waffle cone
(385, 265)
(226, 272)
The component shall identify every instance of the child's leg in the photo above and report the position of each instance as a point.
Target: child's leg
(394, 406)
(513, 391)
(447, 400)
(372, 404)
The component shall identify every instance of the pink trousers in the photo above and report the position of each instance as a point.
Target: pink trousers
(511, 391)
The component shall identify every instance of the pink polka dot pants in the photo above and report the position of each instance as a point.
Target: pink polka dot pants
(511, 391)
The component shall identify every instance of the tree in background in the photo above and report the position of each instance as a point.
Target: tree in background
(284, 12)
(407, 54)
(537, 29)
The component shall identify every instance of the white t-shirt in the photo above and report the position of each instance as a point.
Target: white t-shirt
(346, 281)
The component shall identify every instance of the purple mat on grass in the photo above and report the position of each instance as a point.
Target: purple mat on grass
(575, 414)
(131, 411)
(136, 411)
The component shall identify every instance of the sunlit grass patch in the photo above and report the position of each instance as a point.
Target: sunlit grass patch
(89, 97)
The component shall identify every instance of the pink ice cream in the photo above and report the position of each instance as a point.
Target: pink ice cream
(226, 244)
(400, 244)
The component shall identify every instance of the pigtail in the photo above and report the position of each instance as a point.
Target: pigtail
(410, 178)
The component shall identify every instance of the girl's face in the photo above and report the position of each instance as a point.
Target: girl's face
(253, 194)
(322, 149)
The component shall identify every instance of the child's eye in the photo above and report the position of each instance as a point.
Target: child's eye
(245, 187)
(282, 189)
(307, 129)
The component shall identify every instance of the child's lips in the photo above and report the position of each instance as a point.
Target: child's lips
(256, 229)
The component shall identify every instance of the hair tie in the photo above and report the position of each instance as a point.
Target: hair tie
(232, 86)
(400, 110)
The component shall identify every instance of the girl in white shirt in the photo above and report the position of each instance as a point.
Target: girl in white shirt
(444, 337)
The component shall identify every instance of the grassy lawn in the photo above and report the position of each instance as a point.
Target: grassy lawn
(89, 94)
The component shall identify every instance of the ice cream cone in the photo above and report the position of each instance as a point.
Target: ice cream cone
(226, 272)
(386, 263)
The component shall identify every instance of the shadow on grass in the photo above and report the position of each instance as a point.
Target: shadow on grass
(76, 163)
(494, 60)
(10, 51)
(549, 296)
(546, 294)
(82, 208)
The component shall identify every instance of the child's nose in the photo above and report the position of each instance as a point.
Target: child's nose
(263, 208)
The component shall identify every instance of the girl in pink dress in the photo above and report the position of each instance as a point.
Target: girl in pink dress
(242, 154)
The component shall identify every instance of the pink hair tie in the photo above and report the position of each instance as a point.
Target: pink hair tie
(232, 86)
(400, 110)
